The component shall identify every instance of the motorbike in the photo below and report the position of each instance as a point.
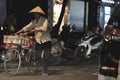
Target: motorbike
(89, 46)
(57, 48)
(62, 45)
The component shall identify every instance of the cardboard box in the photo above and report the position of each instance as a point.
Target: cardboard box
(14, 39)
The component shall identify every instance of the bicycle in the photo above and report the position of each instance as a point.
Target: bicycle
(16, 56)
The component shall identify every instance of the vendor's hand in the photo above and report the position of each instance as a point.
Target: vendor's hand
(36, 29)
(16, 34)
(31, 31)
(24, 34)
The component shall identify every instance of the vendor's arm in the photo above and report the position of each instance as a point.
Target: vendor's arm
(41, 28)
(24, 29)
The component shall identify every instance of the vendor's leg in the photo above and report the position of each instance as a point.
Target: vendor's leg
(46, 57)
(38, 51)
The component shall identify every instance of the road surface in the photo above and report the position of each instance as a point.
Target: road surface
(67, 70)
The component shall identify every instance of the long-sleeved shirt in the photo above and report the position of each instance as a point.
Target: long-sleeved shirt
(40, 36)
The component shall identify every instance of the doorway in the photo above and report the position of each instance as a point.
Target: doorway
(104, 13)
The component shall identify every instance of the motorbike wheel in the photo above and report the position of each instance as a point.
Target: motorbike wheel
(80, 52)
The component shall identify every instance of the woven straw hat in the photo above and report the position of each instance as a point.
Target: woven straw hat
(37, 10)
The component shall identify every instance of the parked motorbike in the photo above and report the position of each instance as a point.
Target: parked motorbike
(57, 48)
(62, 44)
(89, 46)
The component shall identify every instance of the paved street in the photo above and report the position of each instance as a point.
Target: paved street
(69, 70)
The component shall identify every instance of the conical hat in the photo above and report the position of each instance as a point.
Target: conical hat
(37, 10)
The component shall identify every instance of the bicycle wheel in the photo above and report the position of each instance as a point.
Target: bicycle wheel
(12, 61)
(33, 64)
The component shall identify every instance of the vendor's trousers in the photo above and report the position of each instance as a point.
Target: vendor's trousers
(43, 52)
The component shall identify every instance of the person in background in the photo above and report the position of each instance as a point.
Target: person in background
(10, 24)
(42, 36)
(110, 53)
